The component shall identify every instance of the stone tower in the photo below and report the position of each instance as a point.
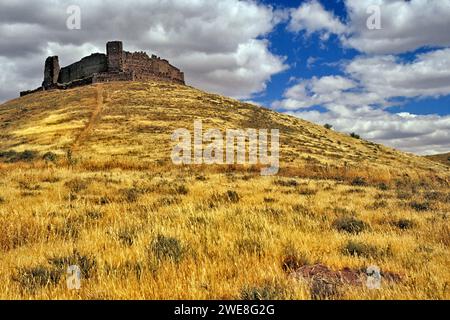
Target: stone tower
(51, 72)
(114, 51)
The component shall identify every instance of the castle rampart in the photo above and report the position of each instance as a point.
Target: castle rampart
(116, 65)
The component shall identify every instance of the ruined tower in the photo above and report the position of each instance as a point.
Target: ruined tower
(51, 72)
(114, 52)
(115, 65)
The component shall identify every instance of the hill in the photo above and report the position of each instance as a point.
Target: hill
(86, 179)
(442, 158)
(133, 123)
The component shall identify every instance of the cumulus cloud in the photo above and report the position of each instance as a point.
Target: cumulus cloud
(421, 134)
(405, 25)
(312, 17)
(220, 44)
(358, 100)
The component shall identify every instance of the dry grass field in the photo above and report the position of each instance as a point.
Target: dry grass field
(86, 179)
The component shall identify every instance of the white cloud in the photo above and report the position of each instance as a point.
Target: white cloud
(357, 101)
(405, 25)
(422, 134)
(219, 44)
(312, 17)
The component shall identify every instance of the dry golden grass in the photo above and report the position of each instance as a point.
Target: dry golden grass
(142, 228)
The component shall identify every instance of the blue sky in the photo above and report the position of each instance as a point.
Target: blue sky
(319, 60)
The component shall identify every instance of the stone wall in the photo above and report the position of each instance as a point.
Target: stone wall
(84, 68)
(51, 72)
(116, 65)
(146, 68)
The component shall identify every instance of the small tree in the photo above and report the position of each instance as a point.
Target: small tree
(328, 126)
(354, 135)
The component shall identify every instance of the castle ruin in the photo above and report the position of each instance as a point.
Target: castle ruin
(115, 65)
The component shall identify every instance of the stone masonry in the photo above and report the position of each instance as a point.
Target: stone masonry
(115, 65)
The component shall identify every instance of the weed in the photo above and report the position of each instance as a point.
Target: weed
(292, 259)
(270, 290)
(86, 263)
(359, 249)
(35, 278)
(167, 248)
(404, 224)
(420, 206)
(349, 224)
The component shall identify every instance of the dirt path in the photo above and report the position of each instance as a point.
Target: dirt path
(96, 113)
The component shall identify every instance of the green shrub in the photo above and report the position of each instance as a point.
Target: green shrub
(32, 279)
(76, 185)
(86, 263)
(286, 183)
(359, 181)
(267, 291)
(349, 224)
(131, 194)
(321, 289)
(167, 248)
(14, 156)
(292, 260)
(360, 249)
(404, 224)
(420, 206)
(50, 157)
(354, 135)
(328, 126)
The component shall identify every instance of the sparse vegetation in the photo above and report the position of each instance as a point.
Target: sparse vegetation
(360, 249)
(167, 248)
(147, 229)
(349, 224)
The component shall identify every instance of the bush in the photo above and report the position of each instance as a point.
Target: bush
(321, 289)
(131, 194)
(383, 186)
(32, 279)
(359, 181)
(349, 224)
(126, 236)
(228, 197)
(354, 135)
(286, 183)
(50, 157)
(359, 249)
(232, 196)
(181, 189)
(404, 224)
(13, 156)
(328, 126)
(167, 248)
(420, 206)
(292, 259)
(86, 263)
(267, 291)
(76, 185)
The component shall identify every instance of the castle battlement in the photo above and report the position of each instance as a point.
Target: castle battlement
(115, 65)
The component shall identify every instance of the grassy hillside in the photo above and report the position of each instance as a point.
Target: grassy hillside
(442, 158)
(86, 178)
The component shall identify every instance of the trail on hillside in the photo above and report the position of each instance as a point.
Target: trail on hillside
(96, 113)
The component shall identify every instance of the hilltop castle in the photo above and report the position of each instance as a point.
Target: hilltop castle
(115, 65)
